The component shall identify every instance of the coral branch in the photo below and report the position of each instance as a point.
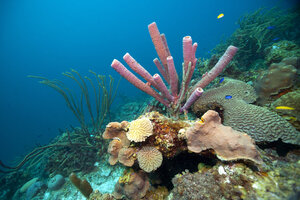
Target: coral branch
(173, 76)
(130, 77)
(194, 96)
(218, 68)
(163, 88)
(159, 44)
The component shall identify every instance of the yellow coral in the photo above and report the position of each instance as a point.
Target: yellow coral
(139, 130)
(149, 158)
(126, 178)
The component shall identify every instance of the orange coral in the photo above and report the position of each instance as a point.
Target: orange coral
(127, 156)
(113, 149)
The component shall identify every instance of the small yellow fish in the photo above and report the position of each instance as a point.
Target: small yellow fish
(284, 108)
(220, 16)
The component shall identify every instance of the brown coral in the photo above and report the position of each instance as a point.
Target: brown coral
(127, 156)
(140, 129)
(165, 134)
(113, 149)
(116, 130)
(258, 122)
(135, 188)
(226, 142)
(279, 77)
(291, 99)
(149, 158)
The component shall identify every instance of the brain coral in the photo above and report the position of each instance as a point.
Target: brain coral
(149, 158)
(258, 122)
(139, 130)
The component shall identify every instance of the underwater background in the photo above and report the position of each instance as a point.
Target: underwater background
(43, 41)
(46, 38)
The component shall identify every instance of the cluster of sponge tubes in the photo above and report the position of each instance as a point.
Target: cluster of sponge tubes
(166, 67)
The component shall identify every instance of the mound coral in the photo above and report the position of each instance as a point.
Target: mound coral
(139, 130)
(258, 122)
(280, 50)
(228, 144)
(291, 99)
(149, 158)
(279, 77)
(134, 186)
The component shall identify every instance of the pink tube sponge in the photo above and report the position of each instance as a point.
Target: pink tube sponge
(218, 68)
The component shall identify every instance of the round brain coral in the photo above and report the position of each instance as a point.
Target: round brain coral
(149, 158)
(139, 130)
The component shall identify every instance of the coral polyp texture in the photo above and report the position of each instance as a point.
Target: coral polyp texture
(292, 100)
(173, 99)
(139, 130)
(149, 158)
(228, 144)
(279, 77)
(132, 185)
(258, 122)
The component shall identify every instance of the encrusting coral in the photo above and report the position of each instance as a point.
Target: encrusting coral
(228, 144)
(134, 186)
(292, 100)
(261, 124)
(279, 77)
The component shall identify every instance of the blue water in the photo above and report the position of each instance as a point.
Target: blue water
(49, 37)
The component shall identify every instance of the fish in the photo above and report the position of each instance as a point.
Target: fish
(284, 108)
(271, 27)
(221, 80)
(220, 16)
(228, 97)
(275, 39)
(116, 138)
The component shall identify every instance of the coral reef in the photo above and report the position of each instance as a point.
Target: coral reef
(278, 78)
(280, 50)
(291, 99)
(133, 187)
(257, 30)
(172, 100)
(258, 122)
(149, 158)
(237, 181)
(139, 130)
(228, 144)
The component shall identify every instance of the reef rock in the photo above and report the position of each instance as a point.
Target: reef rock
(279, 77)
(292, 100)
(258, 122)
